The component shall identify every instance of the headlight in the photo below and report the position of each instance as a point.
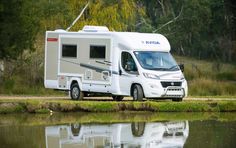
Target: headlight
(151, 76)
(182, 77)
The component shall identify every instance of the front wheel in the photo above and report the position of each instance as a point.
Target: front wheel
(75, 129)
(75, 92)
(137, 93)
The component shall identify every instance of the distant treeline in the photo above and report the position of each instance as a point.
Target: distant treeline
(205, 29)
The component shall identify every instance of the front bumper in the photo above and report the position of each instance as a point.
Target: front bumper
(154, 89)
(174, 92)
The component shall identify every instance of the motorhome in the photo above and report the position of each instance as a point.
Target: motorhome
(95, 60)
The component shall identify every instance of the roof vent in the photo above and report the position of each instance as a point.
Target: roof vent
(60, 30)
(95, 29)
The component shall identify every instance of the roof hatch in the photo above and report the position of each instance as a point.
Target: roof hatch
(95, 29)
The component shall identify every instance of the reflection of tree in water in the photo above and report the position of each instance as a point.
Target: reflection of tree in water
(19, 136)
(212, 134)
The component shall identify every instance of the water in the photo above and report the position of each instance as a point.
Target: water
(127, 130)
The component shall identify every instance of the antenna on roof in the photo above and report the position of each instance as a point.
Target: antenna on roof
(78, 17)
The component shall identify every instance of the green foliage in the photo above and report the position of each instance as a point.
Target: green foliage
(207, 87)
(201, 29)
(40, 106)
(110, 117)
(42, 111)
(229, 76)
(11, 108)
(8, 84)
(100, 107)
(19, 26)
(227, 106)
(116, 15)
(56, 14)
(204, 29)
(207, 78)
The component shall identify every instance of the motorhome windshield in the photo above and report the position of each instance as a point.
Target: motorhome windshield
(155, 60)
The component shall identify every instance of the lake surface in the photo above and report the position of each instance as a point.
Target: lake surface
(182, 130)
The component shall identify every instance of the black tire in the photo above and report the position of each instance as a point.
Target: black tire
(137, 93)
(75, 129)
(177, 99)
(75, 92)
(138, 128)
(117, 98)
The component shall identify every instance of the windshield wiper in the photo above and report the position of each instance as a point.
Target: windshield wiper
(164, 69)
(174, 67)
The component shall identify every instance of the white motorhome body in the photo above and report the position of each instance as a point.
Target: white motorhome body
(96, 60)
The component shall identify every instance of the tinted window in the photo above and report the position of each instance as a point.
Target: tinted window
(128, 62)
(97, 52)
(69, 51)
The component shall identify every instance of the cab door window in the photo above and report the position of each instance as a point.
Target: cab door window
(128, 63)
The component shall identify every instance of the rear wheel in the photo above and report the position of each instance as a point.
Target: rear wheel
(117, 98)
(75, 92)
(177, 99)
(137, 93)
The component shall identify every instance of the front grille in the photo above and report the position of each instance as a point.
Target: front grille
(166, 84)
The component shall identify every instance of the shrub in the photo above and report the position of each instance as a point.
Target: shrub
(230, 76)
(207, 87)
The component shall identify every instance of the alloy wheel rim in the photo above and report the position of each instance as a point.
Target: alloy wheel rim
(75, 92)
(135, 94)
(136, 126)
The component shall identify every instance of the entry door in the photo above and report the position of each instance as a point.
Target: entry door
(129, 72)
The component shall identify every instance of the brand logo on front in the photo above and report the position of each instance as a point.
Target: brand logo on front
(172, 83)
(150, 42)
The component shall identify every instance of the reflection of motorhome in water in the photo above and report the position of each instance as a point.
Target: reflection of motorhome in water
(143, 135)
(96, 60)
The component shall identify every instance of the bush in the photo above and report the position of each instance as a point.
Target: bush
(8, 84)
(207, 87)
(229, 76)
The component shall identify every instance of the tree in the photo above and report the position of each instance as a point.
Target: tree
(18, 26)
(203, 29)
(119, 15)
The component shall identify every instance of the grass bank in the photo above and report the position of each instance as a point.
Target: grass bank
(47, 106)
(114, 117)
(209, 78)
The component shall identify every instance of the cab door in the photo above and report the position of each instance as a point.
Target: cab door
(128, 72)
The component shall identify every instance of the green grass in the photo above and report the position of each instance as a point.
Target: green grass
(45, 106)
(206, 87)
(209, 78)
(18, 89)
(114, 117)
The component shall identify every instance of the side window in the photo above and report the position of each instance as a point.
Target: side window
(128, 63)
(69, 51)
(97, 52)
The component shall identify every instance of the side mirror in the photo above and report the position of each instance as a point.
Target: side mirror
(181, 66)
(120, 72)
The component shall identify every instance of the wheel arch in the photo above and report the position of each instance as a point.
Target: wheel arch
(75, 80)
(132, 87)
